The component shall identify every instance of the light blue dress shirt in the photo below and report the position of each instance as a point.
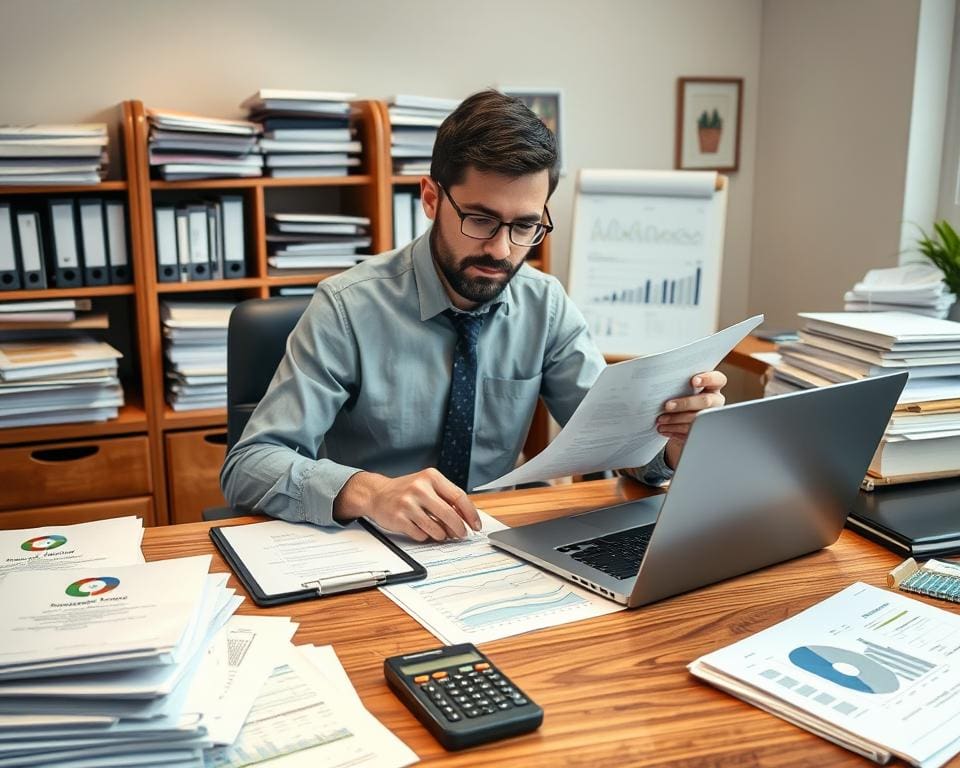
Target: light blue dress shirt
(366, 375)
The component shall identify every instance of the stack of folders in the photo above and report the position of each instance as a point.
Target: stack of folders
(49, 315)
(184, 146)
(868, 669)
(65, 244)
(305, 133)
(917, 288)
(923, 437)
(409, 219)
(58, 381)
(195, 342)
(316, 241)
(106, 656)
(414, 121)
(200, 240)
(53, 154)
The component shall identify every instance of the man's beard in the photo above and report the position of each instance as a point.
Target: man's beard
(476, 289)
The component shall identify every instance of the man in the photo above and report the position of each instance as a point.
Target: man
(413, 377)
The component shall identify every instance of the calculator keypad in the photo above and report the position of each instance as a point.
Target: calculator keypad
(470, 691)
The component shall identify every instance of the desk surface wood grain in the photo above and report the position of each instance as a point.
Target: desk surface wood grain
(615, 689)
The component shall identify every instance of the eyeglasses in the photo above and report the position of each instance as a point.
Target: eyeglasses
(482, 227)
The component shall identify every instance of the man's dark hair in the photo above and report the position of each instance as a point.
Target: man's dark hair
(495, 133)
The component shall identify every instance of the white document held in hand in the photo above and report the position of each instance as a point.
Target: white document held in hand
(615, 425)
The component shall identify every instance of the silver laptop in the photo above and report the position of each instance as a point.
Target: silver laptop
(759, 482)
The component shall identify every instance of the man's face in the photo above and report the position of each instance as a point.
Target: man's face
(476, 271)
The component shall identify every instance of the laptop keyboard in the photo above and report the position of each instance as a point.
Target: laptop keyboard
(616, 554)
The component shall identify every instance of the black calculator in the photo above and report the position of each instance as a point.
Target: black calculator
(460, 696)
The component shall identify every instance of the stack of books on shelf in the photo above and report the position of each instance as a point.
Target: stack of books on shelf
(305, 133)
(48, 315)
(316, 241)
(923, 437)
(53, 154)
(58, 380)
(917, 288)
(184, 146)
(200, 240)
(195, 347)
(414, 121)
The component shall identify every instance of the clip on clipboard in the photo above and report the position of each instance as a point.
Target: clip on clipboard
(280, 562)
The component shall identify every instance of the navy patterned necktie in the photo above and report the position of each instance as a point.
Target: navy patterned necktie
(454, 463)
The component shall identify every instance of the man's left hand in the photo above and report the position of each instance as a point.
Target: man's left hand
(680, 412)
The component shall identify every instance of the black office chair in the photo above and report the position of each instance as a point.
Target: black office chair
(256, 340)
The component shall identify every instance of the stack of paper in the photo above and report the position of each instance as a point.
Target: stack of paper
(53, 154)
(305, 133)
(195, 346)
(868, 669)
(316, 241)
(185, 146)
(923, 437)
(917, 288)
(263, 699)
(58, 381)
(49, 314)
(414, 121)
(111, 652)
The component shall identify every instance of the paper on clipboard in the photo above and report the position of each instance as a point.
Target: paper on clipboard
(615, 424)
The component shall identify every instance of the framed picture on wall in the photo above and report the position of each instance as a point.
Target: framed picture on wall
(708, 123)
(547, 104)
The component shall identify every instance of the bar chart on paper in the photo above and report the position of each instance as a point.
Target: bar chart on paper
(476, 593)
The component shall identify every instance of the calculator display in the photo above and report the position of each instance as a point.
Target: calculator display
(441, 662)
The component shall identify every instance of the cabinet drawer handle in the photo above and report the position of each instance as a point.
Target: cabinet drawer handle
(70, 453)
(216, 438)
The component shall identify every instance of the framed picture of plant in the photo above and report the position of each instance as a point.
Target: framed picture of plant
(708, 123)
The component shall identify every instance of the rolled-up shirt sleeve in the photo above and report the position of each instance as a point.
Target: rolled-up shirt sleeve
(274, 467)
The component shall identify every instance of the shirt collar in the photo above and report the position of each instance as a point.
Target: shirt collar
(433, 296)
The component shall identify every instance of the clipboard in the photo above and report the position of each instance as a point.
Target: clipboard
(351, 580)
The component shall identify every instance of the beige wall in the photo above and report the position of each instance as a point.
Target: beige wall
(836, 84)
(616, 60)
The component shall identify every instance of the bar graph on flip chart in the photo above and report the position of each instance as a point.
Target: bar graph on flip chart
(645, 258)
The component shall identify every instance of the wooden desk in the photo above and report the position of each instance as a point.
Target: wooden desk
(615, 689)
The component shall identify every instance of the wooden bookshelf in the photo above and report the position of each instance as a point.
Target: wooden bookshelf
(147, 416)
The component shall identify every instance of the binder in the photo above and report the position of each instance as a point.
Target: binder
(402, 218)
(94, 241)
(183, 243)
(199, 246)
(31, 250)
(315, 587)
(117, 253)
(421, 223)
(9, 273)
(213, 238)
(65, 256)
(234, 262)
(165, 237)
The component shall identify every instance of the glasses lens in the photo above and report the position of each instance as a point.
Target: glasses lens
(527, 234)
(480, 227)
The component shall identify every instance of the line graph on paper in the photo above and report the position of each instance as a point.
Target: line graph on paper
(475, 593)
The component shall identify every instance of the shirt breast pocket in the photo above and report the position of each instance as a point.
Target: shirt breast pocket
(506, 411)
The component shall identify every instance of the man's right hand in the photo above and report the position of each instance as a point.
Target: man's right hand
(424, 505)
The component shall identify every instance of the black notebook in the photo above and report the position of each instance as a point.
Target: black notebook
(919, 519)
(280, 562)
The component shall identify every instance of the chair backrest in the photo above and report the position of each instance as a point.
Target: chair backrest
(256, 341)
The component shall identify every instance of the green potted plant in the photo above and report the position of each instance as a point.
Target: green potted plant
(709, 127)
(943, 250)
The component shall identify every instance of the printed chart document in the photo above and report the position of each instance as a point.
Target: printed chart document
(307, 714)
(101, 542)
(871, 670)
(615, 424)
(475, 592)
